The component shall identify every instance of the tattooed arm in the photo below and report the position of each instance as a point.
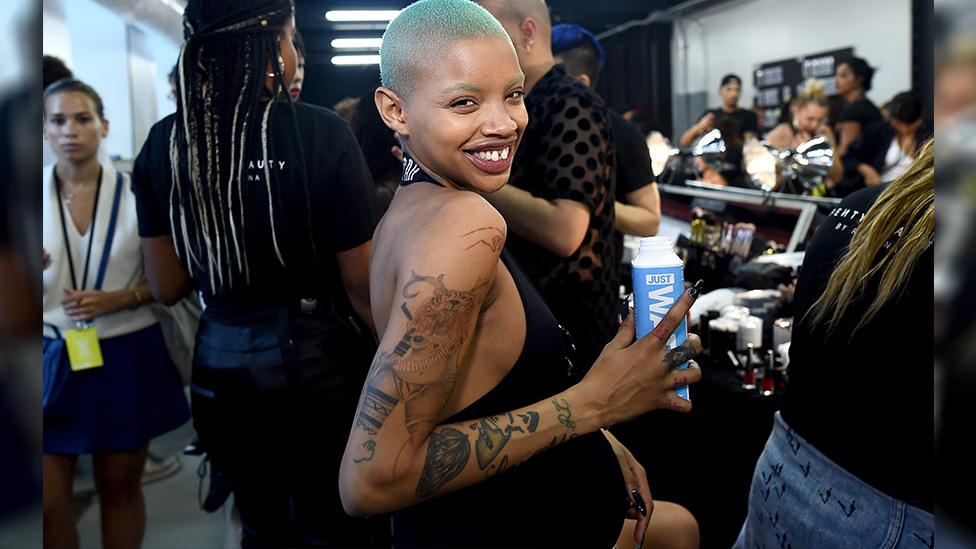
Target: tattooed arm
(399, 452)
(453, 456)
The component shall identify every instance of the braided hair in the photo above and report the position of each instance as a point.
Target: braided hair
(223, 111)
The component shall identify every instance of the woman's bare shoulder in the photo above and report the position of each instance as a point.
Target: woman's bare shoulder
(425, 222)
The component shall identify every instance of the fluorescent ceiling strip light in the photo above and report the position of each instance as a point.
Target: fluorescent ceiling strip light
(373, 43)
(356, 60)
(174, 5)
(361, 15)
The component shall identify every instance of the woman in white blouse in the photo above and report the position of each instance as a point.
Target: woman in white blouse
(109, 384)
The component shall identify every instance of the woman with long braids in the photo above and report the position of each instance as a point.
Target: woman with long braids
(267, 207)
(849, 463)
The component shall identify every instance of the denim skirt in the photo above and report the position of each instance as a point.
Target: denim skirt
(800, 498)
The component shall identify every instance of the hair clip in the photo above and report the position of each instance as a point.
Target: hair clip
(264, 22)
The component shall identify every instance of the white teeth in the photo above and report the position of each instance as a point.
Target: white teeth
(493, 156)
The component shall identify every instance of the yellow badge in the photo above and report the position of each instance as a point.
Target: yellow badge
(84, 352)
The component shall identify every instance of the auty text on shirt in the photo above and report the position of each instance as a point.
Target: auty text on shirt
(259, 164)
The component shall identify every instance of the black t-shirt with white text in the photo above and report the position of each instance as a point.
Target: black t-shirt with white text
(341, 201)
(865, 401)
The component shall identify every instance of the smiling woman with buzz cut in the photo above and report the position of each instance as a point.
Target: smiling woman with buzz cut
(469, 427)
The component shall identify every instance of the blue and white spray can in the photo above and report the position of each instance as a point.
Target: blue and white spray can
(658, 284)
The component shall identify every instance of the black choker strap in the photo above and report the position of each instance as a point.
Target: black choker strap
(413, 173)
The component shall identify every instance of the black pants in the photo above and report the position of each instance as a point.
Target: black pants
(274, 394)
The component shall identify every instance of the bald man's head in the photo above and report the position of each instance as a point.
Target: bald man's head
(512, 13)
(423, 29)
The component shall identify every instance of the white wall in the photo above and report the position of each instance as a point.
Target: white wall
(142, 86)
(738, 36)
(56, 40)
(125, 58)
(100, 59)
(164, 54)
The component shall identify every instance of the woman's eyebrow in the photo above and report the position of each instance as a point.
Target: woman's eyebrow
(461, 86)
(464, 86)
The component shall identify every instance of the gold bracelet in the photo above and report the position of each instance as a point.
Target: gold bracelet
(138, 296)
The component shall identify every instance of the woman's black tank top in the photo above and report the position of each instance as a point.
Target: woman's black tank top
(571, 495)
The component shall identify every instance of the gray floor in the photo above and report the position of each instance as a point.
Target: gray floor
(174, 519)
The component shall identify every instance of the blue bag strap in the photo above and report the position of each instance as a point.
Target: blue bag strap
(55, 330)
(110, 235)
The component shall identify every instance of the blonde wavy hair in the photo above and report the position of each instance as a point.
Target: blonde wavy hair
(814, 91)
(909, 204)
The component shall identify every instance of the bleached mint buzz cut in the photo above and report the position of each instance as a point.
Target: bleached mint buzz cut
(425, 29)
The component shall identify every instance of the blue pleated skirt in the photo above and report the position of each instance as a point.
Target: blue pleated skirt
(136, 396)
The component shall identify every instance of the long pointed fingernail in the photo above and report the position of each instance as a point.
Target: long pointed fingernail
(696, 290)
(639, 502)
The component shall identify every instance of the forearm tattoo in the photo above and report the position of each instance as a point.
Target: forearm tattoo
(447, 453)
(495, 432)
(449, 449)
(565, 413)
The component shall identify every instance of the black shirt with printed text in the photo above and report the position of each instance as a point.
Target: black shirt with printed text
(342, 203)
(567, 153)
(865, 401)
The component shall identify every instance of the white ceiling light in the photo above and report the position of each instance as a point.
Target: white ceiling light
(174, 5)
(373, 43)
(356, 60)
(361, 15)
